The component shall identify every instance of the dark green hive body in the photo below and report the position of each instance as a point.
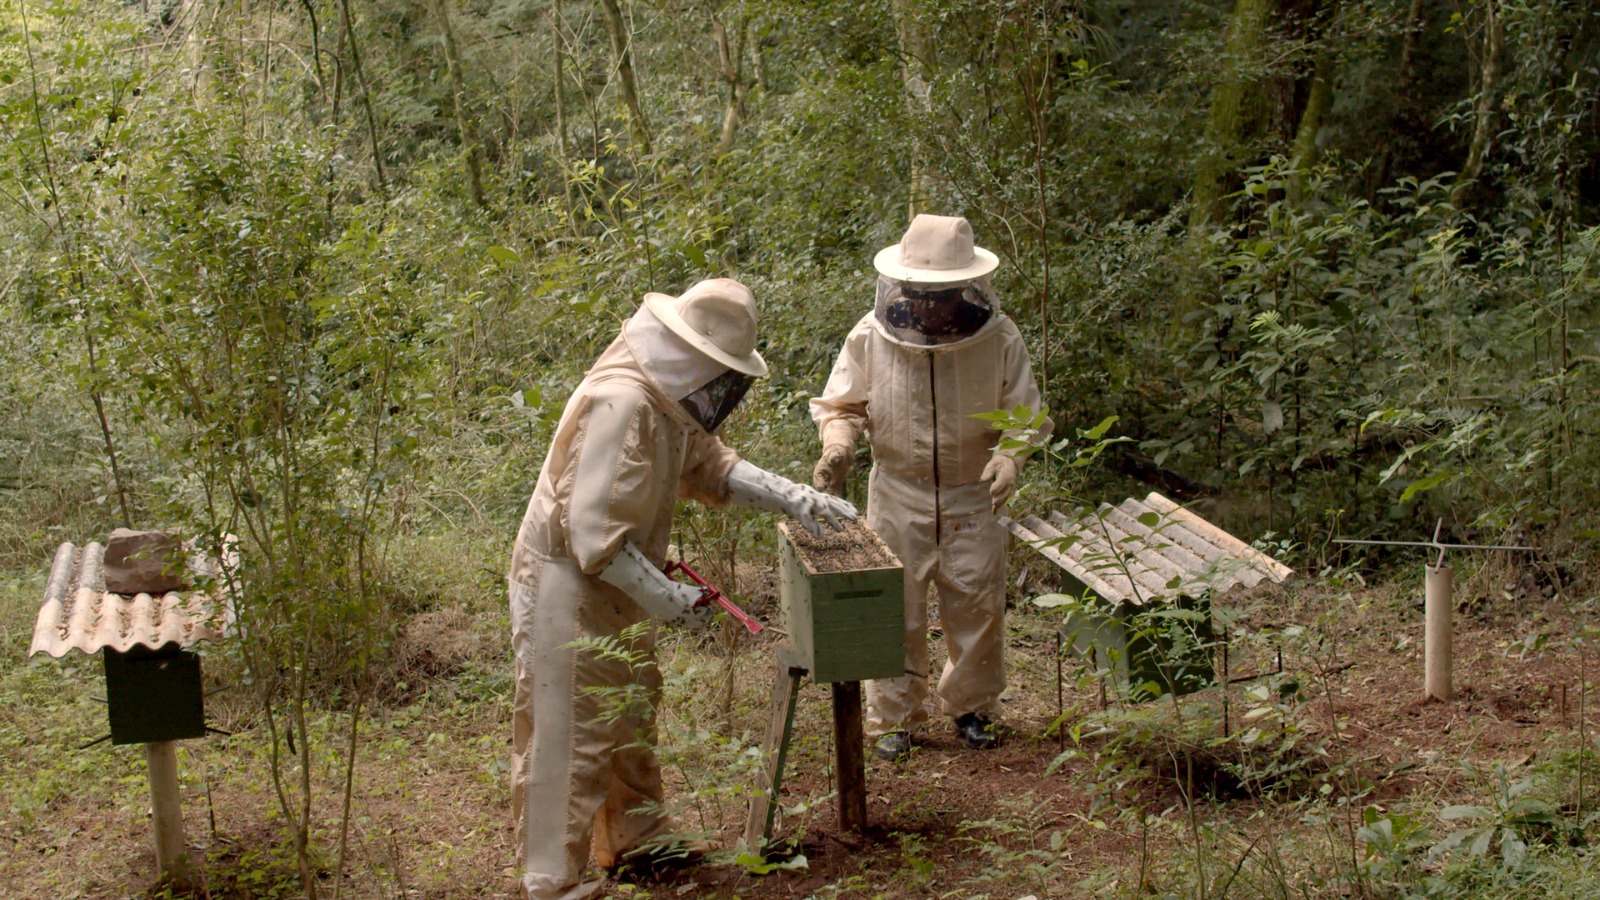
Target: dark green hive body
(154, 695)
(1148, 655)
(845, 626)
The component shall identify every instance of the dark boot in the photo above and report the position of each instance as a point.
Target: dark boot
(977, 732)
(894, 746)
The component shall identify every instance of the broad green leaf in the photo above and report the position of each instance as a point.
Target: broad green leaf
(1512, 850)
(1428, 483)
(1099, 431)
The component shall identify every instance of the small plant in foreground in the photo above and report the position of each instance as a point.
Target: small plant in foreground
(1515, 817)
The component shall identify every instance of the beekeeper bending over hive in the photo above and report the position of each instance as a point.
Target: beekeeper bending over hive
(934, 350)
(639, 432)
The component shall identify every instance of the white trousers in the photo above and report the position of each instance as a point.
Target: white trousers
(577, 783)
(960, 550)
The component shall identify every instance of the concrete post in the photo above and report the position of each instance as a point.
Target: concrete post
(166, 811)
(1437, 653)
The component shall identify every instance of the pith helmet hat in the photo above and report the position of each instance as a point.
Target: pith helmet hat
(936, 250)
(716, 317)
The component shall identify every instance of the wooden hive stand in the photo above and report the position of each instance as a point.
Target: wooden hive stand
(843, 604)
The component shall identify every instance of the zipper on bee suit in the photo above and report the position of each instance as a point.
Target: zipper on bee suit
(933, 397)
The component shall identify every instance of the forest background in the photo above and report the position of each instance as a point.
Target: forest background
(322, 274)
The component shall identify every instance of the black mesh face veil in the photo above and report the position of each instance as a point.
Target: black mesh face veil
(717, 398)
(932, 316)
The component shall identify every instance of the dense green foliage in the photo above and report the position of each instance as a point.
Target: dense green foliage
(1351, 335)
(321, 274)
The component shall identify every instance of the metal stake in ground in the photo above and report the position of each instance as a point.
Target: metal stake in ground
(1438, 656)
(1438, 652)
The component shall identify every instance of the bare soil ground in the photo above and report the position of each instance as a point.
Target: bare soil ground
(431, 798)
(1019, 820)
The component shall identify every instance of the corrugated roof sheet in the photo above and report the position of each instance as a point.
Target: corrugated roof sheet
(80, 614)
(1172, 552)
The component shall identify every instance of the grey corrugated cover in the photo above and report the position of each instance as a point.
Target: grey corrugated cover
(1200, 556)
(79, 614)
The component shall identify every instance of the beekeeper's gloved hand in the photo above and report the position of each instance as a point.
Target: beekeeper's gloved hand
(832, 467)
(1001, 472)
(750, 486)
(670, 601)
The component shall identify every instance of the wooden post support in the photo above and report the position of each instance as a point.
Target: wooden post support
(166, 812)
(1437, 656)
(850, 758)
(775, 751)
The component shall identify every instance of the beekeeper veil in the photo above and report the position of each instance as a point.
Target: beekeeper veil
(933, 286)
(933, 315)
(699, 347)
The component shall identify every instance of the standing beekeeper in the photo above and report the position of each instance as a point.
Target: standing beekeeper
(639, 433)
(934, 350)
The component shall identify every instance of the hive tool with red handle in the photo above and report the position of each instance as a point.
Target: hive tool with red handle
(709, 594)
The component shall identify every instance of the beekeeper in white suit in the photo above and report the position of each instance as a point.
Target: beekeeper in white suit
(639, 433)
(934, 350)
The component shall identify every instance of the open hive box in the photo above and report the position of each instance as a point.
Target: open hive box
(843, 601)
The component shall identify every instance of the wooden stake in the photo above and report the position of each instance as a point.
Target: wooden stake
(1437, 656)
(850, 757)
(166, 812)
(775, 751)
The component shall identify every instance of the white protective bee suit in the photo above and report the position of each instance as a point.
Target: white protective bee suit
(586, 564)
(937, 481)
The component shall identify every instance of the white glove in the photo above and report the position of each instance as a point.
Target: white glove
(670, 601)
(750, 486)
(1002, 473)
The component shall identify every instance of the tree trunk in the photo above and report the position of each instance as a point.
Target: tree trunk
(732, 63)
(1484, 110)
(197, 40)
(1306, 151)
(916, 66)
(621, 42)
(557, 41)
(758, 61)
(466, 131)
(347, 39)
(1237, 112)
(1402, 98)
(1408, 49)
(1318, 101)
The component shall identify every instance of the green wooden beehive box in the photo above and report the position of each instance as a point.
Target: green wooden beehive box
(843, 602)
(154, 695)
(1147, 654)
(1155, 568)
